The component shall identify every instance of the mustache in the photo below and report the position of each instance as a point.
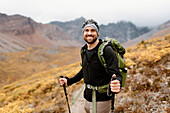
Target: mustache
(89, 35)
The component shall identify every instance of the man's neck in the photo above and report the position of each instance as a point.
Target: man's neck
(91, 46)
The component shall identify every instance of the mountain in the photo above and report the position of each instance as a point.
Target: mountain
(122, 31)
(73, 28)
(159, 31)
(11, 43)
(23, 31)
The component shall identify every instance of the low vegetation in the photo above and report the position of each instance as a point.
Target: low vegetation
(146, 90)
(148, 81)
(40, 92)
(15, 66)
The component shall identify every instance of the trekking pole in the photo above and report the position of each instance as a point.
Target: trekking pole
(113, 98)
(64, 87)
(112, 106)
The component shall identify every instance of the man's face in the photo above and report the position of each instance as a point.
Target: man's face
(90, 35)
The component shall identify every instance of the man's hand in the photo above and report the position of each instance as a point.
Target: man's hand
(115, 85)
(63, 81)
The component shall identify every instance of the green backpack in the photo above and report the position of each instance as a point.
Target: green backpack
(119, 51)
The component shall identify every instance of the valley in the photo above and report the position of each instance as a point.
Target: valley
(33, 56)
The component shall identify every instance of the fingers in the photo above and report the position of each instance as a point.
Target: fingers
(115, 89)
(115, 82)
(114, 75)
(115, 85)
(63, 81)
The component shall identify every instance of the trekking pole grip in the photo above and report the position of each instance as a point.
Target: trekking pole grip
(61, 76)
(64, 86)
(113, 97)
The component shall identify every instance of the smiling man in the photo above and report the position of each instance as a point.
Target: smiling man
(96, 78)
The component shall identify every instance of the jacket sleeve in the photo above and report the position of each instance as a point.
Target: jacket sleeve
(76, 78)
(112, 62)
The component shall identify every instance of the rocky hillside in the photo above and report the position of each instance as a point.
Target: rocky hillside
(161, 30)
(147, 88)
(26, 32)
(10, 43)
(148, 82)
(122, 31)
(73, 28)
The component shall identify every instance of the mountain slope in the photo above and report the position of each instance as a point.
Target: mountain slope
(73, 28)
(22, 64)
(33, 33)
(122, 31)
(159, 31)
(12, 43)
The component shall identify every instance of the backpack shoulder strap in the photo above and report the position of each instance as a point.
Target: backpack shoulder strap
(101, 54)
(82, 52)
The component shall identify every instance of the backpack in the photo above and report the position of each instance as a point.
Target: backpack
(119, 51)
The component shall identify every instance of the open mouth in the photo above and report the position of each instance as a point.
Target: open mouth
(89, 36)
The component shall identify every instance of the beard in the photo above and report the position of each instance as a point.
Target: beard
(93, 39)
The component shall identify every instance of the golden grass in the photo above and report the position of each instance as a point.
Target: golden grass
(148, 52)
(22, 64)
(18, 95)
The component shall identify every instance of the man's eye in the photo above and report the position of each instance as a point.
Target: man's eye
(92, 30)
(86, 30)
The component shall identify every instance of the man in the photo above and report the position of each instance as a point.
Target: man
(94, 74)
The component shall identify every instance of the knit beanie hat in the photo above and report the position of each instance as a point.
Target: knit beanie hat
(91, 23)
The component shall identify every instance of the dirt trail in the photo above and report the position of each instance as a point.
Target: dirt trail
(78, 106)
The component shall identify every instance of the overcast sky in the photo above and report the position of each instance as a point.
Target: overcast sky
(140, 12)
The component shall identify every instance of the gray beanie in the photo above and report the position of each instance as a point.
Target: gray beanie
(91, 24)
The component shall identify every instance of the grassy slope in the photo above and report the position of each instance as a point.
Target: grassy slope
(147, 87)
(40, 92)
(22, 64)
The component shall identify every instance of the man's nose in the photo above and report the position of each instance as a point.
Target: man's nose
(89, 32)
